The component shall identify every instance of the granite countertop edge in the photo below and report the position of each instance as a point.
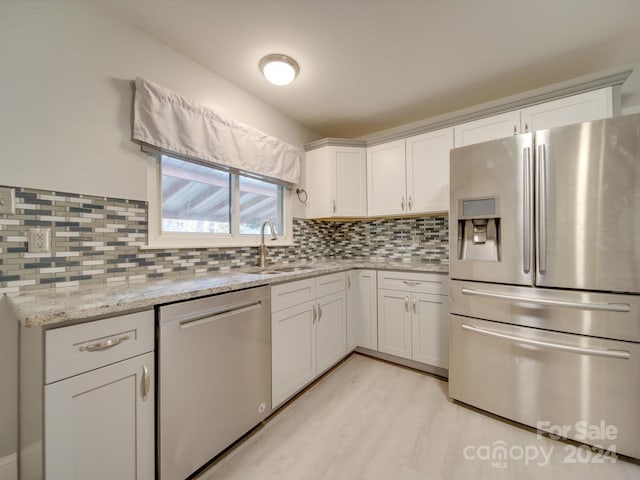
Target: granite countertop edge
(61, 306)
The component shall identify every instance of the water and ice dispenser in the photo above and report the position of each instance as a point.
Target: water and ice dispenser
(479, 229)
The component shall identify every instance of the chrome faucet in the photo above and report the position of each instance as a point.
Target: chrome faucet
(262, 249)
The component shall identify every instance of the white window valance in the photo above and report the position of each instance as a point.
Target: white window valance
(167, 121)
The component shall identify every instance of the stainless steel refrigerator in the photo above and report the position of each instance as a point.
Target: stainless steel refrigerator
(545, 290)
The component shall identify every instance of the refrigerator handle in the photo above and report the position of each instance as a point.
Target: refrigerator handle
(526, 247)
(541, 195)
(603, 307)
(598, 352)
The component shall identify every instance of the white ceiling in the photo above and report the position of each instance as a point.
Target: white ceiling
(369, 65)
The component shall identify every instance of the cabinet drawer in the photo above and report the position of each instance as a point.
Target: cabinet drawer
(80, 348)
(328, 284)
(414, 282)
(292, 293)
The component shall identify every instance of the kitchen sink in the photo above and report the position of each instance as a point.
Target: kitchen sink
(278, 270)
(292, 269)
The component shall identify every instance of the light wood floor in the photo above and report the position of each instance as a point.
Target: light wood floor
(370, 420)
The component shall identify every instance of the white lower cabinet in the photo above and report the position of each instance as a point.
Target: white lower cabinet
(293, 351)
(99, 425)
(430, 329)
(308, 332)
(98, 400)
(413, 316)
(394, 323)
(362, 309)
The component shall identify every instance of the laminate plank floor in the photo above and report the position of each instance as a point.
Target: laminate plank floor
(370, 420)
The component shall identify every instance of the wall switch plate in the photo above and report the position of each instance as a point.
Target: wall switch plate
(39, 240)
(7, 201)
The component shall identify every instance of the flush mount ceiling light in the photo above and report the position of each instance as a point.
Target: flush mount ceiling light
(279, 69)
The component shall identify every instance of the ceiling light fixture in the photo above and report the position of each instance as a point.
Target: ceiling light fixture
(279, 69)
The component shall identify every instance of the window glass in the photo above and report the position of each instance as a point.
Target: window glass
(260, 201)
(201, 199)
(195, 198)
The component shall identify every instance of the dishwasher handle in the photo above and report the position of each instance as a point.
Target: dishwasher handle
(207, 317)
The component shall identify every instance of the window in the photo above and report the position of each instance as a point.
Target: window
(205, 202)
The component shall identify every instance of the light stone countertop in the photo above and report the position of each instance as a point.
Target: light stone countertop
(68, 305)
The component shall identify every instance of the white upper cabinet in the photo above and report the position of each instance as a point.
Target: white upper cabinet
(411, 175)
(386, 179)
(336, 182)
(486, 129)
(583, 107)
(428, 171)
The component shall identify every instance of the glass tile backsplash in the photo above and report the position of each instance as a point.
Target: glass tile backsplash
(97, 239)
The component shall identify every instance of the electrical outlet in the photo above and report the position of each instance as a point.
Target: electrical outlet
(39, 240)
(367, 239)
(7, 201)
(415, 240)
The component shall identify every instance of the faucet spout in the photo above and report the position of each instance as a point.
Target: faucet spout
(262, 249)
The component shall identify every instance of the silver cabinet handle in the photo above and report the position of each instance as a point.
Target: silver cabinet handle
(349, 281)
(402, 204)
(409, 203)
(315, 315)
(415, 305)
(526, 247)
(334, 206)
(526, 127)
(319, 312)
(515, 129)
(104, 345)
(598, 352)
(146, 383)
(605, 307)
(410, 283)
(541, 195)
(406, 303)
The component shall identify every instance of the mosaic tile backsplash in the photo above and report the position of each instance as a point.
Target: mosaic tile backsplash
(97, 240)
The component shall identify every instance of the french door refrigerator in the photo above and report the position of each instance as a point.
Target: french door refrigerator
(545, 270)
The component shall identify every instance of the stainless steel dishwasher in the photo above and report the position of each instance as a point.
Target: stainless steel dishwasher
(214, 360)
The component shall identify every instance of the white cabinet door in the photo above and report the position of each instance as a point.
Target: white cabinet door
(320, 175)
(331, 331)
(394, 323)
(363, 306)
(353, 309)
(430, 329)
(350, 182)
(485, 129)
(336, 182)
(428, 171)
(99, 426)
(579, 108)
(386, 179)
(293, 350)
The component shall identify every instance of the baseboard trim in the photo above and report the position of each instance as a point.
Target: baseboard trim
(9, 467)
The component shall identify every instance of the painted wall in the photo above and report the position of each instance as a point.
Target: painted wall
(8, 391)
(65, 98)
(65, 106)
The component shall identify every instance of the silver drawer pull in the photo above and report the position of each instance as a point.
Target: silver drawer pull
(95, 347)
(411, 283)
(146, 383)
(598, 352)
(606, 307)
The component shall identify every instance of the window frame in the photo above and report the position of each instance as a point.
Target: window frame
(158, 239)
